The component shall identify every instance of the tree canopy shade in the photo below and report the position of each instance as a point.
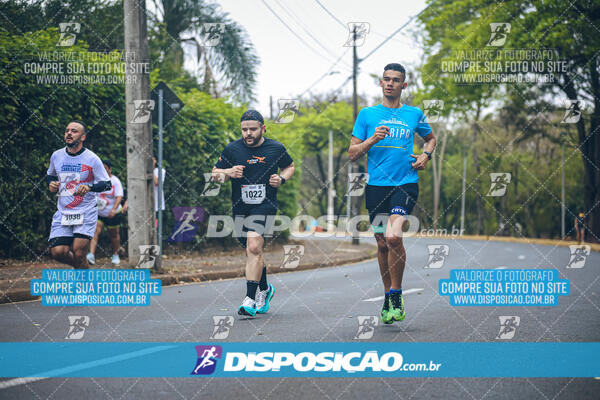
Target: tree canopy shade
(228, 67)
(569, 30)
(33, 116)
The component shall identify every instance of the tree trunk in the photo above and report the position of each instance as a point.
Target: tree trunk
(477, 183)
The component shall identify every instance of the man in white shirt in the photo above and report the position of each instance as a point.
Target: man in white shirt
(77, 174)
(109, 215)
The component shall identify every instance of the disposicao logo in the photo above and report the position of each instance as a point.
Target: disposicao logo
(207, 359)
(306, 361)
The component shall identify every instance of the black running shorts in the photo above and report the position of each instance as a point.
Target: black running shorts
(262, 224)
(389, 200)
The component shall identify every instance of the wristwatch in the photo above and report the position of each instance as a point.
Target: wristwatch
(282, 179)
(428, 154)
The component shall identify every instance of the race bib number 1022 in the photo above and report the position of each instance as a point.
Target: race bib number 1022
(253, 194)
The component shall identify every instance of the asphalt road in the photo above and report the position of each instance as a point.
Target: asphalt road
(322, 305)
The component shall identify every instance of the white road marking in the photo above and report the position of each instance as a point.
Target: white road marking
(78, 367)
(407, 291)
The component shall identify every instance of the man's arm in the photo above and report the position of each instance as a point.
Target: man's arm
(53, 183)
(220, 174)
(223, 174)
(51, 177)
(359, 148)
(421, 160)
(286, 173)
(117, 203)
(113, 211)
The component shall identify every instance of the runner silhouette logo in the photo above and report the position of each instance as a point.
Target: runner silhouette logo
(500, 31)
(207, 359)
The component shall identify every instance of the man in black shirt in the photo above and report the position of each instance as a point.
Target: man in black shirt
(252, 164)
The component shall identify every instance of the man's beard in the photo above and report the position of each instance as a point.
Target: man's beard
(255, 140)
(74, 143)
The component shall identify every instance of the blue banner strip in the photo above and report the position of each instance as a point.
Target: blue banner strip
(351, 359)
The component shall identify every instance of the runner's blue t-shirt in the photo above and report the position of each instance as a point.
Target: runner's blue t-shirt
(389, 161)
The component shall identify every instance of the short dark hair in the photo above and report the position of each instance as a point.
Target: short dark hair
(396, 67)
(252, 115)
(107, 163)
(80, 123)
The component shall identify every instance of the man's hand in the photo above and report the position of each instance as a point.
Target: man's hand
(275, 180)
(380, 133)
(53, 186)
(420, 161)
(112, 213)
(82, 190)
(236, 171)
(218, 177)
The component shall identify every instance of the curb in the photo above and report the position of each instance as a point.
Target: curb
(20, 295)
(510, 239)
(168, 280)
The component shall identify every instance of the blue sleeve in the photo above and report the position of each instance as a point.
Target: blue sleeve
(360, 126)
(423, 128)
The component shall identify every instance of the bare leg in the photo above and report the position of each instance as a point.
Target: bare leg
(80, 249)
(396, 254)
(76, 257)
(62, 254)
(254, 256)
(94, 241)
(115, 239)
(382, 257)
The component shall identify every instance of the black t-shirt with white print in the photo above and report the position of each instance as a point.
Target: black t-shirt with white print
(261, 162)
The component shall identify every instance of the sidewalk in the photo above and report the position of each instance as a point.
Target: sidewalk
(211, 264)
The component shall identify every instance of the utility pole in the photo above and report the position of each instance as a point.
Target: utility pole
(330, 188)
(271, 107)
(462, 200)
(160, 178)
(140, 216)
(562, 185)
(355, 201)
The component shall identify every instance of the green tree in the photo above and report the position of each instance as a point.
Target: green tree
(454, 25)
(311, 127)
(32, 122)
(229, 67)
(33, 117)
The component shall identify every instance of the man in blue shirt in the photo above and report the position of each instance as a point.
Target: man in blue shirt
(385, 133)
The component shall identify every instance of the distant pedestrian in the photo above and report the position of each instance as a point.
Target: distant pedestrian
(109, 215)
(580, 228)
